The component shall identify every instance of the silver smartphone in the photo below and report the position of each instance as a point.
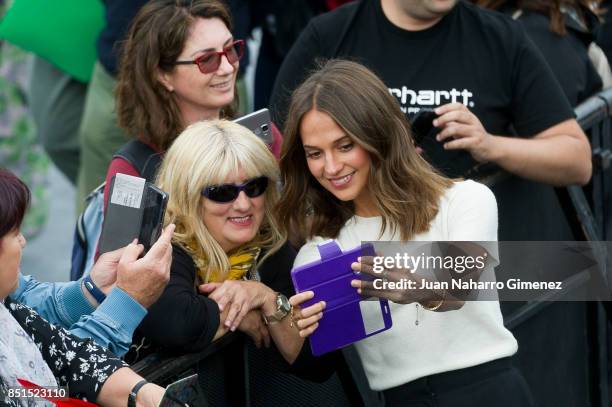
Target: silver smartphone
(258, 122)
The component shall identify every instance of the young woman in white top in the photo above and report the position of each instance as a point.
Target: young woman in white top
(352, 173)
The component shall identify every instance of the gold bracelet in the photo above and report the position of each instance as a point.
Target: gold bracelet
(438, 305)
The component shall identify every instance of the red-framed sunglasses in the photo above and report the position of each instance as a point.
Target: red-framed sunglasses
(209, 62)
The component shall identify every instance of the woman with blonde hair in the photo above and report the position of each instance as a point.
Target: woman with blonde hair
(352, 173)
(222, 181)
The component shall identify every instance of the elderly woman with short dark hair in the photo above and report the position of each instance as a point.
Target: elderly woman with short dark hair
(36, 351)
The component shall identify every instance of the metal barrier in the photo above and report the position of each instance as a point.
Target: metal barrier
(588, 209)
(595, 116)
(589, 213)
(160, 368)
(232, 372)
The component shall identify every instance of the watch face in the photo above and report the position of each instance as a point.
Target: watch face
(283, 303)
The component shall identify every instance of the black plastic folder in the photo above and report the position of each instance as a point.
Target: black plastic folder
(135, 209)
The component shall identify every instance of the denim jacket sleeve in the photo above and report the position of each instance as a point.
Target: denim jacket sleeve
(111, 325)
(58, 303)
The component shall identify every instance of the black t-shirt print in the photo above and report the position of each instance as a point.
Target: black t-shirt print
(472, 56)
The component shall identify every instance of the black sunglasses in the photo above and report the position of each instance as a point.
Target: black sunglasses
(225, 193)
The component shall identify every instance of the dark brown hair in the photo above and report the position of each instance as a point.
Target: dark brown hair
(145, 108)
(550, 8)
(405, 188)
(14, 202)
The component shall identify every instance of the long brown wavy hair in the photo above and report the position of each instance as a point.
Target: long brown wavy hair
(145, 108)
(550, 8)
(405, 188)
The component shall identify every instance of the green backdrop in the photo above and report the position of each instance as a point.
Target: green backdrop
(62, 31)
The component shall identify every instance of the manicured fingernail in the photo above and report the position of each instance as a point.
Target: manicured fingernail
(135, 241)
(323, 304)
(233, 328)
(435, 122)
(359, 291)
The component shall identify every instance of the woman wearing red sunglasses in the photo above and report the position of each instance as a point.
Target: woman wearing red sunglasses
(178, 66)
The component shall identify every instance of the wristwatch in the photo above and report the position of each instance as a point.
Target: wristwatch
(282, 309)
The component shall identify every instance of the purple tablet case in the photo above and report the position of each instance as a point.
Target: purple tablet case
(330, 279)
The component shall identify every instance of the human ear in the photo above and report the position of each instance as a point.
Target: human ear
(165, 79)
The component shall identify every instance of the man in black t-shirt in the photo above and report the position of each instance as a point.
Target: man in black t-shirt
(475, 68)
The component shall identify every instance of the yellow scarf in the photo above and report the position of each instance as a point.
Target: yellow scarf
(240, 261)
